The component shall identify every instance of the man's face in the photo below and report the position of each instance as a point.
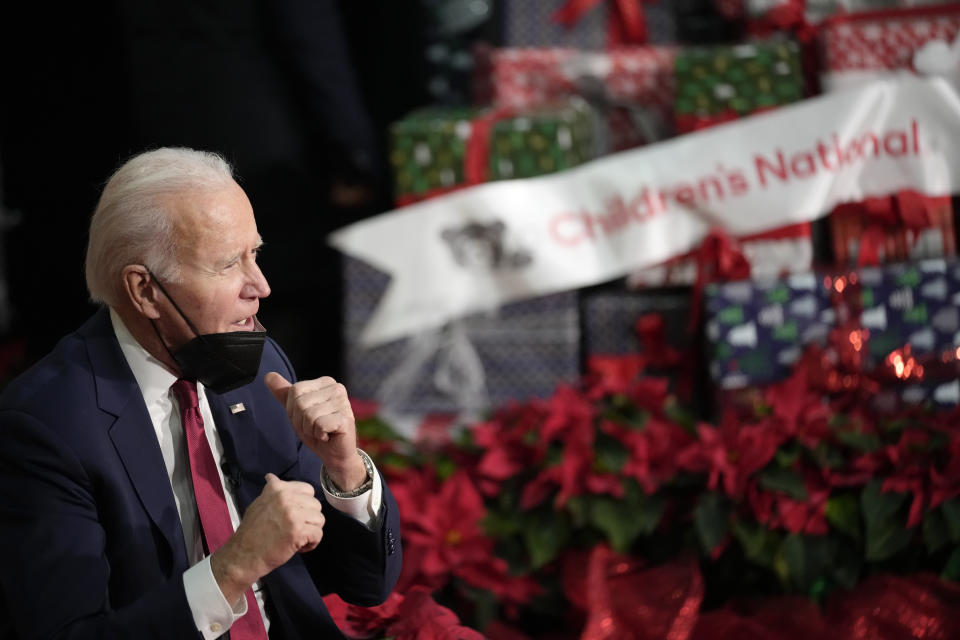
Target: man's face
(220, 285)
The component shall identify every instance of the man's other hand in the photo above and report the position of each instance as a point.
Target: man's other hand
(284, 519)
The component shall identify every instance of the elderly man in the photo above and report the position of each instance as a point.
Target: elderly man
(162, 475)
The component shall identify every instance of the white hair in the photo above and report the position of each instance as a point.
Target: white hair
(132, 223)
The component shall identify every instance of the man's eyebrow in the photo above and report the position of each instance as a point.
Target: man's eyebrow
(224, 263)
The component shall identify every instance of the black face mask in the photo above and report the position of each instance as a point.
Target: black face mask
(220, 361)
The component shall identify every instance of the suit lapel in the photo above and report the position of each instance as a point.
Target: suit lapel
(132, 433)
(233, 413)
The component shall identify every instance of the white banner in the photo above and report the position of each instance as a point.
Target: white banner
(481, 247)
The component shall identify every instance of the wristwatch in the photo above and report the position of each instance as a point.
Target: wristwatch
(334, 490)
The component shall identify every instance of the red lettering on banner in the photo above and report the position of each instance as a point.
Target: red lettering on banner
(763, 165)
(803, 165)
(894, 143)
(571, 229)
(900, 137)
(568, 229)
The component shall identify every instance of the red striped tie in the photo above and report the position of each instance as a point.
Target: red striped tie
(211, 501)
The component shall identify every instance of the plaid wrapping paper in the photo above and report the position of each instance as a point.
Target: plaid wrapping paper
(609, 319)
(715, 84)
(900, 243)
(633, 86)
(857, 47)
(525, 350)
(530, 24)
(429, 148)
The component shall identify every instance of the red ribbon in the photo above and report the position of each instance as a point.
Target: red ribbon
(626, 25)
(476, 157)
(718, 259)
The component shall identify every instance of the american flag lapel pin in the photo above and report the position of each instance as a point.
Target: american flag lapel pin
(237, 408)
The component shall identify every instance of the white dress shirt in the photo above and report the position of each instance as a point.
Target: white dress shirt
(212, 613)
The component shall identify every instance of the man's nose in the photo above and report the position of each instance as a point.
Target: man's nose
(257, 285)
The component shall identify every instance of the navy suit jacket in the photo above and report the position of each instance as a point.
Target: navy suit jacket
(91, 544)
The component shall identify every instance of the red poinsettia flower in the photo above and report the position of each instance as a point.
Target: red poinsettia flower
(419, 617)
(612, 374)
(446, 523)
(910, 471)
(511, 443)
(653, 452)
(363, 622)
(443, 538)
(730, 453)
(777, 510)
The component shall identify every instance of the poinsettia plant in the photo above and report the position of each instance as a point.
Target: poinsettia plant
(540, 519)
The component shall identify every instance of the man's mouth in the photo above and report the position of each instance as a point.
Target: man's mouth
(246, 324)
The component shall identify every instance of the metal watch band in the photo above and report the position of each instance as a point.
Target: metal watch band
(335, 491)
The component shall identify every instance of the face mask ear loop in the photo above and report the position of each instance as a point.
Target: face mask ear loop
(175, 306)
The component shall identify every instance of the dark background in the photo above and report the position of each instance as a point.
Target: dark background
(297, 94)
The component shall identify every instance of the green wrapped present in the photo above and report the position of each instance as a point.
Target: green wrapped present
(438, 149)
(716, 84)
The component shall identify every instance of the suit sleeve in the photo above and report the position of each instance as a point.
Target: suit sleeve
(55, 574)
(358, 563)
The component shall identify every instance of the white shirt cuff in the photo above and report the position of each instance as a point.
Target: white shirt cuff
(212, 614)
(364, 507)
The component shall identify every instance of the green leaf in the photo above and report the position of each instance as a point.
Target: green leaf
(622, 521)
(809, 559)
(935, 532)
(847, 566)
(501, 525)
(711, 518)
(686, 419)
(827, 457)
(951, 514)
(843, 513)
(787, 456)
(609, 455)
(759, 543)
(878, 506)
(886, 538)
(787, 481)
(578, 509)
(544, 537)
(445, 468)
(865, 442)
(886, 528)
(951, 570)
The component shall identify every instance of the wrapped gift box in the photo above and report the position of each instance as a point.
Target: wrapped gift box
(654, 325)
(757, 329)
(435, 150)
(631, 86)
(897, 325)
(717, 84)
(770, 254)
(522, 351)
(533, 24)
(914, 305)
(908, 226)
(859, 47)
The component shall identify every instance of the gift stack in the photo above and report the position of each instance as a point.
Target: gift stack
(569, 81)
(525, 349)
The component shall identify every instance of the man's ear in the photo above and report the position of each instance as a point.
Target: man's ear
(140, 289)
